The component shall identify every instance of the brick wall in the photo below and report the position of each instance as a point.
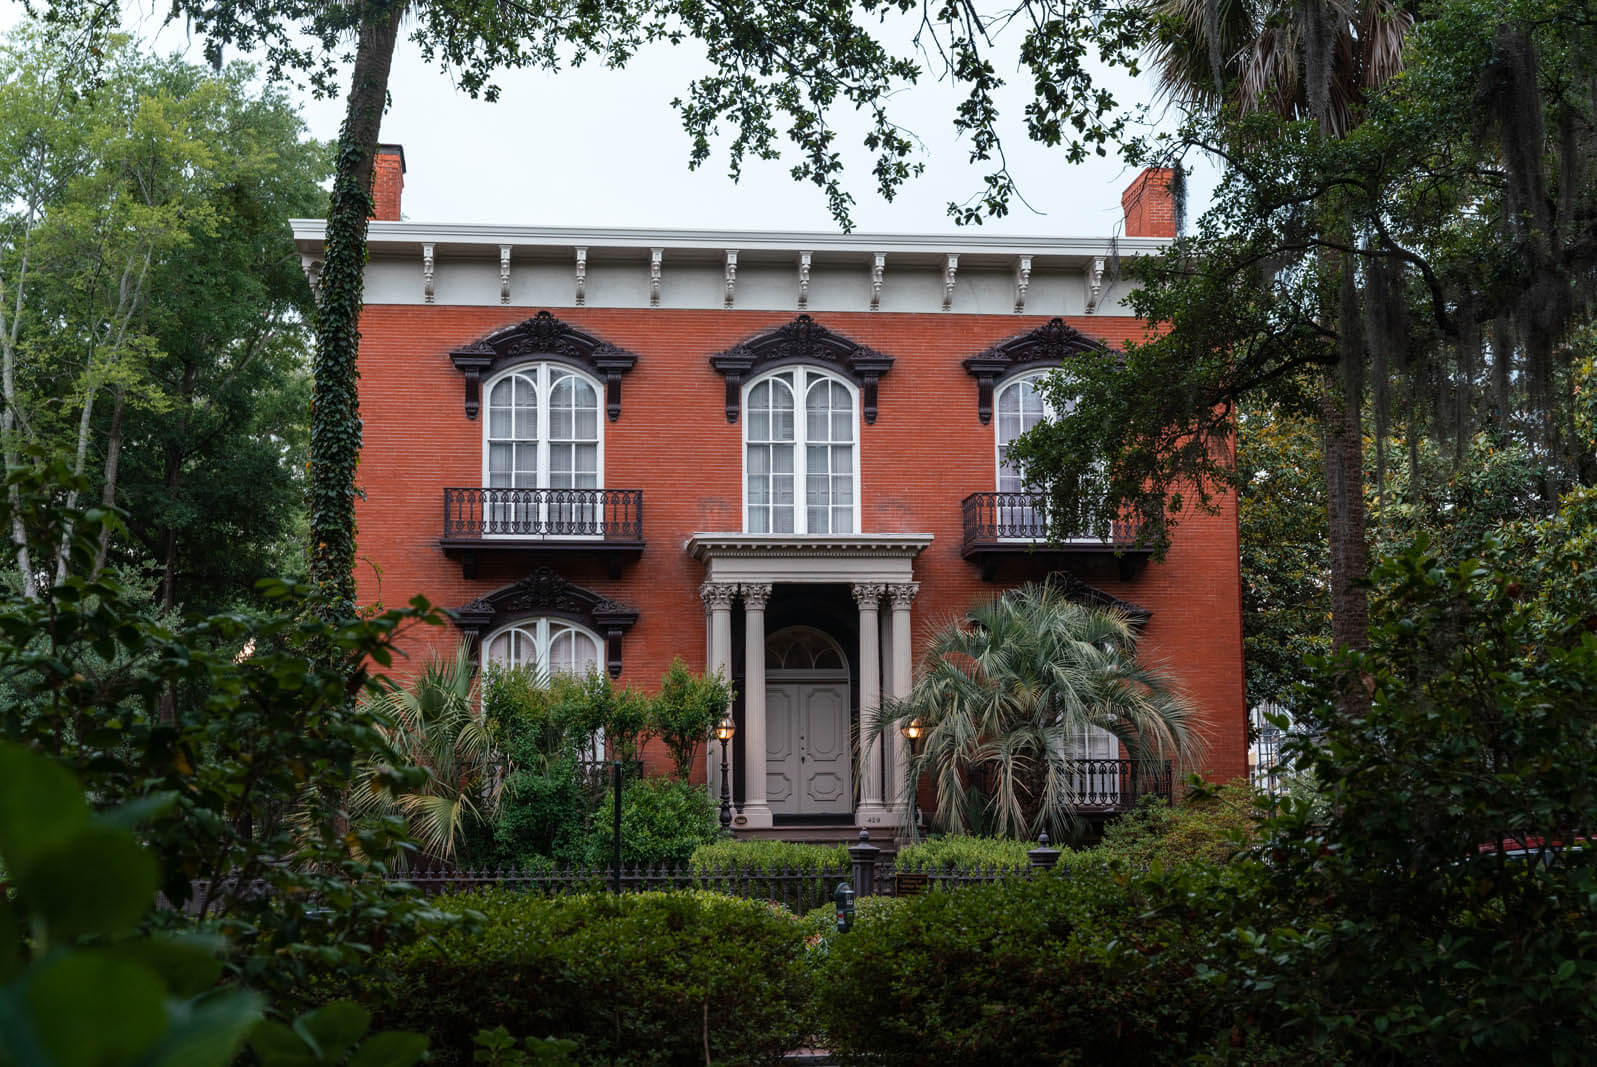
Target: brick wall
(925, 453)
(1149, 206)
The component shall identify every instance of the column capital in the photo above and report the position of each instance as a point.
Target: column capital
(718, 595)
(903, 594)
(868, 594)
(755, 595)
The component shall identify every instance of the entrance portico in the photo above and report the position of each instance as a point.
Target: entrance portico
(878, 570)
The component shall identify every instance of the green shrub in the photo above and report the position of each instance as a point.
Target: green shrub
(968, 853)
(641, 978)
(1209, 825)
(1090, 969)
(764, 857)
(662, 821)
(688, 706)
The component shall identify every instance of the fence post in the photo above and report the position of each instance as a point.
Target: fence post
(864, 857)
(1042, 857)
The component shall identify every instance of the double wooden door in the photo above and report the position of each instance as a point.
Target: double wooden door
(808, 758)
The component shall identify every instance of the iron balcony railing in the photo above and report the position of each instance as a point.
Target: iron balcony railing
(594, 514)
(997, 518)
(1103, 784)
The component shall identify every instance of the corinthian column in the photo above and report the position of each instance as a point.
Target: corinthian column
(871, 811)
(901, 595)
(717, 597)
(755, 808)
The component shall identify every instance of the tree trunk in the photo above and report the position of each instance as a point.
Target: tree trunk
(335, 408)
(1344, 482)
(113, 459)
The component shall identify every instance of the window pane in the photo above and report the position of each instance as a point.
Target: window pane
(526, 392)
(816, 490)
(499, 460)
(498, 421)
(560, 425)
(586, 463)
(842, 520)
(817, 521)
(842, 425)
(783, 520)
(782, 459)
(782, 425)
(759, 425)
(815, 423)
(588, 423)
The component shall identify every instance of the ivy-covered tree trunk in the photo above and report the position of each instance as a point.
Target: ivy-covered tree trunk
(335, 404)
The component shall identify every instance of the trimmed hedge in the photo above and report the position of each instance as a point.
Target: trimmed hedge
(965, 852)
(1095, 968)
(765, 857)
(643, 978)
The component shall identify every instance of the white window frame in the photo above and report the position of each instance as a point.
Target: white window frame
(545, 375)
(804, 376)
(1049, 413)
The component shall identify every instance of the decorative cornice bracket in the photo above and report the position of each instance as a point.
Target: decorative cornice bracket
(950, 269)
(656, 255)
(504, 274)
(878, 266)
(582, 276)
(1049, 345)
(1022, 282)
(1093, 276)
(427, 273)
(731, 276)
(542, 336)
(802, 341)
(804, 280)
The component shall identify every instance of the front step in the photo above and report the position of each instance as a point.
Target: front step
(835, 834)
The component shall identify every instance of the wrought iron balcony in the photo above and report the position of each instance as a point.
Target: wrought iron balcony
(1000, 524)
(608, 522)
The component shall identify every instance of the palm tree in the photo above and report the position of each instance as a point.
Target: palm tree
(435, 724)
(1006, 692)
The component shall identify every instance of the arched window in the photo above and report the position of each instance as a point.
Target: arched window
(543, 430)
(784, 451)
(551, 646)
(1020, 407)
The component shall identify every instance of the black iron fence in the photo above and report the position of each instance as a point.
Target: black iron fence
(993, 518)
(607, 514)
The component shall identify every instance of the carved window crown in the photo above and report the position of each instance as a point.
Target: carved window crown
(545, 593)
(542, 337)
(801, 341)
(1049, 345)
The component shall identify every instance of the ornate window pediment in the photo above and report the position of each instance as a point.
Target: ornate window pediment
(1073, 588)
(544, 593)
(801, 341)
(1048, 345)
(542, 337)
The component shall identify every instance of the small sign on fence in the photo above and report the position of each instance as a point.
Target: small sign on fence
(907, 884)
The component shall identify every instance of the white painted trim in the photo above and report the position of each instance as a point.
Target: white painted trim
(801, 518)
(792, 558)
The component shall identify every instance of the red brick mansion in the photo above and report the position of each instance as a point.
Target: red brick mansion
(777, 454)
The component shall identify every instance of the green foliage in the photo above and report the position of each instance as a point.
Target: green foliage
(687, 708)
(764, 856)
(1209, 825)
(497, 1047)
(969, 853)
(436, 724)
(1051, 970)
(88, 676)
(662, 821)
(1009, 690)
(642, 978)
(334, 1034)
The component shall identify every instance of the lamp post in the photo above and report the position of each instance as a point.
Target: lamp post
(912, 731)
(723, 733)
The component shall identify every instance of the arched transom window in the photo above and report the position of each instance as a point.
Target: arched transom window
(543, 430)
(800, 648)
(549, 646)
(799, 436)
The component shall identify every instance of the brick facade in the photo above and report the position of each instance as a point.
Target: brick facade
(926, 451)
(388, 182)
(1149, 205)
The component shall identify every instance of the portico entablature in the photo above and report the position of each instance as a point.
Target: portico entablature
(778, 558)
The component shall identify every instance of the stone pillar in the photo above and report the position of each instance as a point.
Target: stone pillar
(755, 809)
(871, 810)
(717, 597)
(901, 595)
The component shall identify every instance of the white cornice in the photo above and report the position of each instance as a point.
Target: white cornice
(458, 238)
(705, 546)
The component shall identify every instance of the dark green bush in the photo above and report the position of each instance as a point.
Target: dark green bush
(1094, 968)
(662, 821)
(1209, 824)
(645, 978)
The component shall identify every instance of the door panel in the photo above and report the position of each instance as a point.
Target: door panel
(781, 749)
(825, 778)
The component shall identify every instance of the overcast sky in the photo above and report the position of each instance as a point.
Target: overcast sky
(597, 147)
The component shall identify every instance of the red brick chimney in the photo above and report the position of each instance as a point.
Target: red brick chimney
(1149, 205)
(388, 182)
